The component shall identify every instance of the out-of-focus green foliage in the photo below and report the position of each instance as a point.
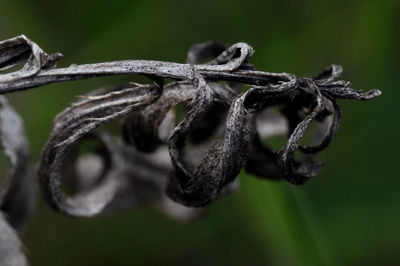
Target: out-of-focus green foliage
(348, 215)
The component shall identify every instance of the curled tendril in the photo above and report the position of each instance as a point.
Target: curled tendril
(194, 161)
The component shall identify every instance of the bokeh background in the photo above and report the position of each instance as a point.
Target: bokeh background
(348, 215)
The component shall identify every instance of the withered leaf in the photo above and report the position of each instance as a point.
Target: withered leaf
(17, 195)
(212, 93)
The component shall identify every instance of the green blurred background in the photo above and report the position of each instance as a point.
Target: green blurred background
(347, 215)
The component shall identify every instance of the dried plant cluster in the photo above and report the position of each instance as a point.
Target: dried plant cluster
(178, 167)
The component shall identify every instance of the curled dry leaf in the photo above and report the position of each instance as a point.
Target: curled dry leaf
(10, 246)
(72, 124)
(130, 177)
(17, 195)
(222, 130)
(21, 50)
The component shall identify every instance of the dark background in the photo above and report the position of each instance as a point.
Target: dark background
(348, 215)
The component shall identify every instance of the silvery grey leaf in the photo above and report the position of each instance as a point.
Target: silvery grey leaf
(72, 124)
(221, 163)
(132, 178)
(17, 195)
(210, 89)
(142, 128)
(329, 128)
(215, 116)
(10, 246)
(176, 168)
(21, 50)
(295, 172)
